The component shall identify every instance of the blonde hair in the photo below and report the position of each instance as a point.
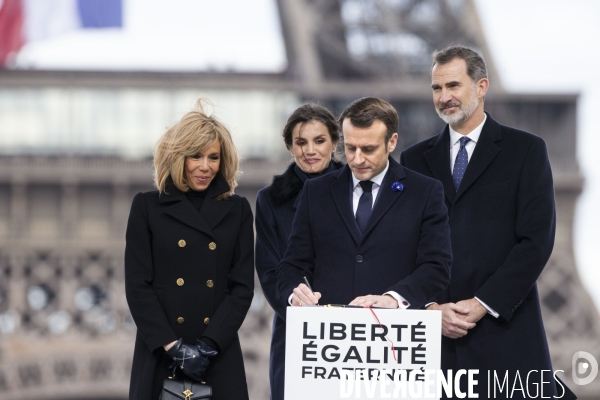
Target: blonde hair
(195, 132)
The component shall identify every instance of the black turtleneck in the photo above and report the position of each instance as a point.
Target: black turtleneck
(305, 175)
(196, 198)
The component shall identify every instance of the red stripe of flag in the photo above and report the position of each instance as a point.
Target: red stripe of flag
(11, 34)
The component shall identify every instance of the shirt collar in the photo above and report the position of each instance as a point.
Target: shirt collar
(378, 179)
(473, 135)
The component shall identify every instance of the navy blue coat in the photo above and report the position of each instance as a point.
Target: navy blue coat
(502, 221)
(275, 209)
(405, 248)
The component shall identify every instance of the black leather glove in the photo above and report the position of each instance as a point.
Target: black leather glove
(189, 360)
(205, 349)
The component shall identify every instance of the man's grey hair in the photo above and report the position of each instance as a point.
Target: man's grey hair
(476, 68)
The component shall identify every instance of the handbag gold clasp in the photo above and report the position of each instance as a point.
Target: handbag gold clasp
(187, 393)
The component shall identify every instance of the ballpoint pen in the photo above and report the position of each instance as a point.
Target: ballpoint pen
(308, 284)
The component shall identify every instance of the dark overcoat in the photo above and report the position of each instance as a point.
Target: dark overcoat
(405, 247)
(189, 275)
(275, 209)
(503, 222)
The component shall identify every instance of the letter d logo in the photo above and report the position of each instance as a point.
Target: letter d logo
(581, 368)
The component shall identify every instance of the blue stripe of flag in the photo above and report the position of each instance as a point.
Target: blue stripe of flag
(100, 13)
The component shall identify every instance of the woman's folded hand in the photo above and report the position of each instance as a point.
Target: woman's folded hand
(189, 359)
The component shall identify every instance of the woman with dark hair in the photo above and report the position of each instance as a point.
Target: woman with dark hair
(189, 276)
(311, 134)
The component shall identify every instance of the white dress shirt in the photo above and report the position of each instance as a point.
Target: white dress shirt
(470, 147)
(358, 191)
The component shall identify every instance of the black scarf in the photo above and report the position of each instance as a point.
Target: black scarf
(305, 175)
(287, 185)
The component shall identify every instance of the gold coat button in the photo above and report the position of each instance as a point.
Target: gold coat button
(210, 283)
(180, 282)
(212, 245)
(206, 321)
(180, 320)
(181, 243)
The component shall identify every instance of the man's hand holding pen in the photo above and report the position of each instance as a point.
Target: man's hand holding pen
(304, 296)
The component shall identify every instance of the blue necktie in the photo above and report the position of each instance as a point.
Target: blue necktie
(460, 165)
(365, 205)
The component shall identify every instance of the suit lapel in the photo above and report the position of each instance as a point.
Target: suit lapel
(339, 192)
(485, 151)
(438, 158)
(386, 196)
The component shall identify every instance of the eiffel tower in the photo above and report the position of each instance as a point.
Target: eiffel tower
(65, 330)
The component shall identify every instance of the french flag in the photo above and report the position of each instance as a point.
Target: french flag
(23, 21)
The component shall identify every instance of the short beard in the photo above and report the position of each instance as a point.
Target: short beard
(462, 114)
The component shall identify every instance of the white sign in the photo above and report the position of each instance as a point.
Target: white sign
(334, 353)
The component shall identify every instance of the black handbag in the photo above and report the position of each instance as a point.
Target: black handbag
(184, 389)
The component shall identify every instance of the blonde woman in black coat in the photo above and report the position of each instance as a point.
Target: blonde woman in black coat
(311, 135)
(189, 262)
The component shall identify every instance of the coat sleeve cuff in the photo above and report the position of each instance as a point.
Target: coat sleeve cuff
(211, 343)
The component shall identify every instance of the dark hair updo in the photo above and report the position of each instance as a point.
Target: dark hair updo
(311, 112)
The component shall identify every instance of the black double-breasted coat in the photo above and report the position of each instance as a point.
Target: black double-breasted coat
(189, 275)
(502, 221)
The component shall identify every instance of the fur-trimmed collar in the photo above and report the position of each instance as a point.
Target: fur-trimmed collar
(287, 185)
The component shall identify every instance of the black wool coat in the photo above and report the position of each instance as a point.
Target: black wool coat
(502, 221)
(275, 209)
(405, 247)
(189, 275)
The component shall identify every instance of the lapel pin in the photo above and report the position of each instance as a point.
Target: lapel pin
(397, 187)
